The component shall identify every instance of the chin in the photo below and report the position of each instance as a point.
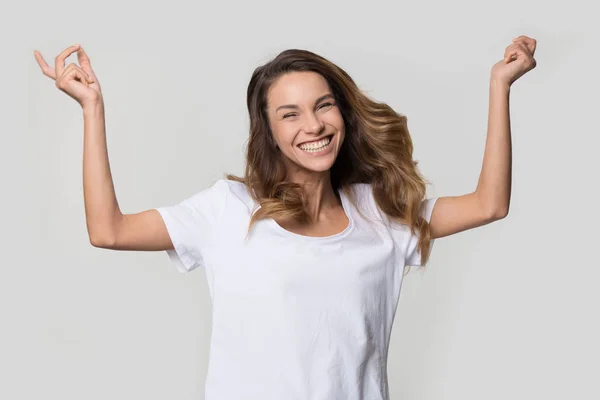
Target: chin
(317, 167)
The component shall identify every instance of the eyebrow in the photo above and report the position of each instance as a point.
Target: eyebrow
(293, 106)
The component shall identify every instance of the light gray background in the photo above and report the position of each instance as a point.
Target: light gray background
(506, 311)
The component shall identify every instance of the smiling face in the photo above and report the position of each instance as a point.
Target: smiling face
(306, 122)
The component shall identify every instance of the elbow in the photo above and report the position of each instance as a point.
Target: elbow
(103, 236)
(498, 213)
(102, 242)
(493, 207)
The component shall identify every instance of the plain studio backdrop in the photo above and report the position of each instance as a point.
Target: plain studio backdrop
(506, 311)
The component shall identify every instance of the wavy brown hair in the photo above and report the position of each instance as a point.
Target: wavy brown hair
(377, 150)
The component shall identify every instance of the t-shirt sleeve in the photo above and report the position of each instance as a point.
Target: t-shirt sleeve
(413, 255)
(192, 223)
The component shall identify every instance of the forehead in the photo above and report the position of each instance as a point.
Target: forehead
(297, 88)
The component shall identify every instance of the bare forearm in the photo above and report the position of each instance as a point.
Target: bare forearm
(101, 207)
(494, 184)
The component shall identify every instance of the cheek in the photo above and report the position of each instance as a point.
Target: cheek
(335, 119)
(338, 122)
(283, 136)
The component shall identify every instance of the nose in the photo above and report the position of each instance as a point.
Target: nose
(313, 124)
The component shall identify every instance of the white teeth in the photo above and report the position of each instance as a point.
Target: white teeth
(315, 146)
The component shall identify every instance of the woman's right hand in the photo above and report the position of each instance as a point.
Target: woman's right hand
(79, 82)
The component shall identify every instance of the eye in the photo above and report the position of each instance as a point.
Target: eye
(321, 106)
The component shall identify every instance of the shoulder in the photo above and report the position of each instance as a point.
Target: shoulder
(361, 197)
(217, 199)
(225, 186)
(362, 193)
(230, 195)
(237, 191)
(216, 193)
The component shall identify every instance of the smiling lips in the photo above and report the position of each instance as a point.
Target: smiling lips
(316, 145)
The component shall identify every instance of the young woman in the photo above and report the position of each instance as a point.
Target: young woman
(305, 253)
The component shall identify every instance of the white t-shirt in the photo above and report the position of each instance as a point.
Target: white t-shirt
(294, 317)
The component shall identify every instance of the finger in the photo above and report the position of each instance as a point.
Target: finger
(523, 41)
(71, 74)
(84, 62)
(530, 43)
(81, 71)
(68, 72)
(510, 52)
(59, 62)
(46, 69)
(513, 53)
(528, 59)
(525, 49)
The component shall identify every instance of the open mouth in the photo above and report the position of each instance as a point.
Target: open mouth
(317, 146)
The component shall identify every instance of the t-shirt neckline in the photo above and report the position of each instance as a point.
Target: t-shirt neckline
(339, 235)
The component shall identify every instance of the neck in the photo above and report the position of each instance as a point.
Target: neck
(319, 191)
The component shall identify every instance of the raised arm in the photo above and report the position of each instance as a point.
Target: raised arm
(491, 199)
(107, 227)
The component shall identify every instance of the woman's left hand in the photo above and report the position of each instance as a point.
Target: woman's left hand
(518, 59)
